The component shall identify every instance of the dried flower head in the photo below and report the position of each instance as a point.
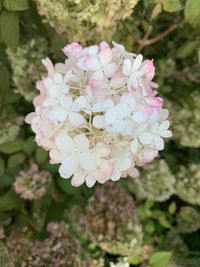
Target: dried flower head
(85, 20)
(155, 182)
(98, 114)
(59, 249)
(109, 219)
(188, 183)
(26, 65)
(32, 184)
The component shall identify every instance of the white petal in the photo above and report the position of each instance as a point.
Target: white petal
(134, 145)
(166, 134)
(87, 161)
(58, 78)
(110, 69)
(154, 127)
(76, 120)
(110, 116)
(134, 81)
(105, 55)
(50, 102)
(64, 143)
(57, 115)
(90, 181)
(82, 143)
(99, 122)
(102, 149)
(125, 163)
(67, 167)
(164, 114)
(159, 143)
(119, 126)
(79, 103)
(67, 76)
(127, 67)
(93, 50)
(137, 62)
(122, 110)
(78, 178)
(133, 172)
(145, 138)
(97, 75)
(164, 126)
(66, 101)
(140, 117)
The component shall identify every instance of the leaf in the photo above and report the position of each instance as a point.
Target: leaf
(65, 186)
(164, 222)
(15, 160)
(135, 260)
(29, 146)
(1, 5)
(157, 9)
(172, 5)
(192, 12)
(4, 80)
(186, 49)
(16, 5)
(160, 258)
(5, 181)
(2, 167)
(172, 208)
(41, 155)
(10, 28)
(11, 146)
(9, 201)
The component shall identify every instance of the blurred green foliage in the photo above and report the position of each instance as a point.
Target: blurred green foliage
(163, 229)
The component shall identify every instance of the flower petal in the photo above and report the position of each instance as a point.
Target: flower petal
(87, 161)
(76, 120)
(99, 122)
(159, 143)
(68, 166)
(82, 143)
(64, 143)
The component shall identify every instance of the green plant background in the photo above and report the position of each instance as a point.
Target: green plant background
(153, 221)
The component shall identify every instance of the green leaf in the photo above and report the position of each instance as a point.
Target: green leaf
(2, 167)
(41, 155)
(10, 28)
(29, 146)
(65, 186)
(15, 160)
(160, 259)
(11, 146)
(187, 49)
(15, 5)
(135, 260)
(4, 80)
(1, 5)
(150, 227)
(172, 5)
(192, 12)
(9, 201)
(164, 222)
(172, 208)
(157, 9)
(5, 181)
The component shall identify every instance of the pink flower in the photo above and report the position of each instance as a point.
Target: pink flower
(98, 113)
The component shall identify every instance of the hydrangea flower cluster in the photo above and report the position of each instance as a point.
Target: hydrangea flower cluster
(98, 114)
(32, 184)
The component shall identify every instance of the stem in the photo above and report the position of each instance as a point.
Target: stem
(146, 42)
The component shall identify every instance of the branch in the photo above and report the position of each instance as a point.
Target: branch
(146, 42)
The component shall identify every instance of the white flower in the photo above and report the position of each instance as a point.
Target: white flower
(98, 114)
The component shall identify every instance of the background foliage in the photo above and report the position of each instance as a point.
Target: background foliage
(152, 221)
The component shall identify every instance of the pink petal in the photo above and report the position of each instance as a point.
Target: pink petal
(89, 63)
(110, 69)
(105, 55)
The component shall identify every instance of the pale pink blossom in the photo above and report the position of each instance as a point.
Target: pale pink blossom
(99, 113)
